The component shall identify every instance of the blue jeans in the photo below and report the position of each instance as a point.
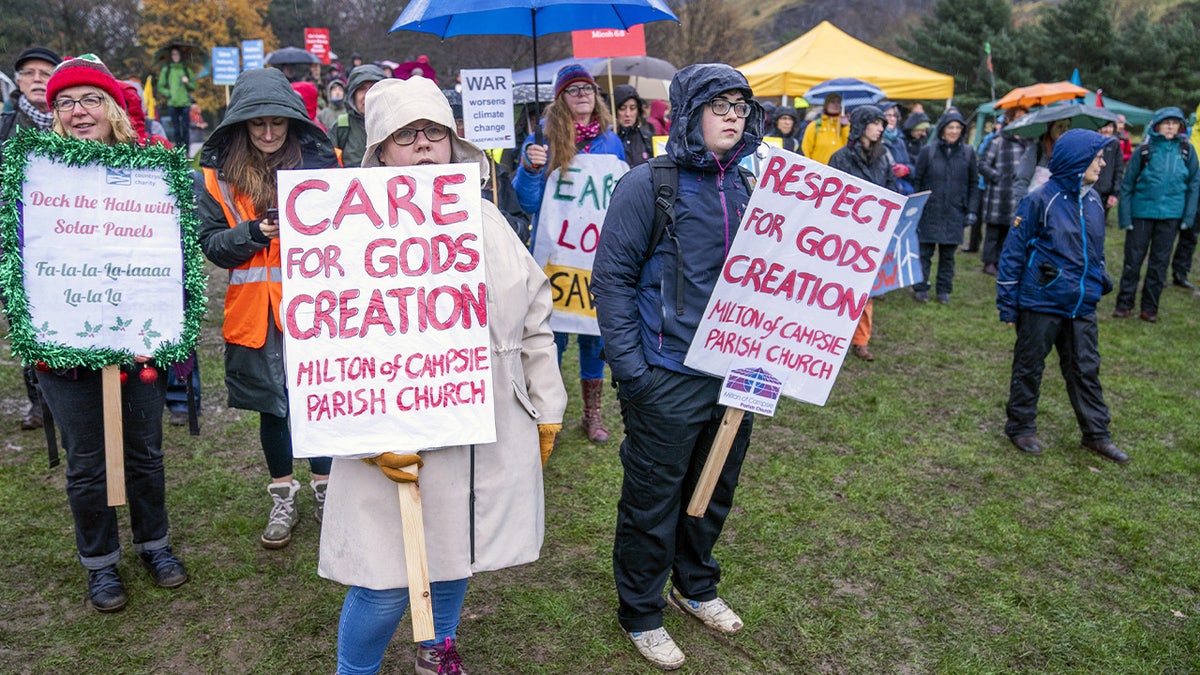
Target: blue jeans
(370, 617)
(591, 366)
(78, 409)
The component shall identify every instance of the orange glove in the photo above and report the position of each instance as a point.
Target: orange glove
(548, 437)
(391, 464)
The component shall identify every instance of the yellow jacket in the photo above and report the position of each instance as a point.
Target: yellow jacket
(823, 137)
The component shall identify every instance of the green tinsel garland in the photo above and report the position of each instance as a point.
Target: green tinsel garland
(73, 152)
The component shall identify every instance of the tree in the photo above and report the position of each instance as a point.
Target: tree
(73, 27)
(1054, 53)
(709, 31)
(206, 23)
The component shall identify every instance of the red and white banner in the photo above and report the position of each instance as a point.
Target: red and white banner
(795, 282)
(384, 311)
(609, 42)
(316, 40)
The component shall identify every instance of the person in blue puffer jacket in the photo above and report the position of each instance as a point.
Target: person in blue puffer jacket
(1051, 275)
(648, 311)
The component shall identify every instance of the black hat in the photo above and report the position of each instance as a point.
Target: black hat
(39, 53)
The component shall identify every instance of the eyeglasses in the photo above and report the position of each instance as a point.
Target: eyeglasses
(34, 73)
(721, 107)
(89, 102)
(581, 89)
(408, 136)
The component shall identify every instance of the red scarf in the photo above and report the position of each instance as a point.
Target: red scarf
(586, 132)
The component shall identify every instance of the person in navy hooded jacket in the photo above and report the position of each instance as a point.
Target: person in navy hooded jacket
(648, 314)
(1051, 276)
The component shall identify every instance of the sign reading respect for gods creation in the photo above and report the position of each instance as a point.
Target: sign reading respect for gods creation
(487, 99)
(573, 208)
(384, 310)
(795, 283)
(102, 262)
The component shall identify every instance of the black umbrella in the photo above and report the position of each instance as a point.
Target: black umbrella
(187, 51)
(290, 56)
(1082, 116)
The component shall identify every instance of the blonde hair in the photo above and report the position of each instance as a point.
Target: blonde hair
(252, 172)
(118, 120)
(560, 130)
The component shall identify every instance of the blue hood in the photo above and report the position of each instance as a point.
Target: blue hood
(691, 89)
(1168, 113)
(1073, 153)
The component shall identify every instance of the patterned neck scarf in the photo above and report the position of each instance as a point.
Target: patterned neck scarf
(42, 119)
(586, 132)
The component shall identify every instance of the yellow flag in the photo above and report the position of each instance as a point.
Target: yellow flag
(148, 97)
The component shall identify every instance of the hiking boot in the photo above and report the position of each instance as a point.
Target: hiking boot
(1121, 313)
(32, 419)
(283, 515)
(990, 269)
(593, 424)
(1107, 450)
(106, 591)
(440, 659)
(862, 352)
(318, 488)
(943, 298)
(1027, 444)
(713, 613)
(657, 647)
(164, 567)
(921, 296)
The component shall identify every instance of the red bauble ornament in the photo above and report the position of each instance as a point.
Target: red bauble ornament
(148, 375)
(124, 377)
(41, 366)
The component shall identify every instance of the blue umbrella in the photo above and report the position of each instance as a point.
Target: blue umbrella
(531, 18)
(854, 92)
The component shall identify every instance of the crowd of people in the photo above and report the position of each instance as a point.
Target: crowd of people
(1036, 207)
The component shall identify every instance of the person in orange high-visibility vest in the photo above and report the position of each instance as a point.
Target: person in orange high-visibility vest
(266, 129)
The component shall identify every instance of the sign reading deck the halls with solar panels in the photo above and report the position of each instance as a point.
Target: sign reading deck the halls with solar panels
(795, 283)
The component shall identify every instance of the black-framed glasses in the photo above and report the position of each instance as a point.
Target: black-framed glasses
(721, 107)
(408, 135)
(581, 89)
(89, 102)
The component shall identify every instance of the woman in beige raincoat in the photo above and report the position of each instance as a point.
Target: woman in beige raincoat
(482, 504)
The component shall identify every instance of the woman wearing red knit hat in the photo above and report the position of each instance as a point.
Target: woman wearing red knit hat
(88, 104)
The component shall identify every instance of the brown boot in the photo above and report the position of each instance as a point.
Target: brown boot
(593, 425)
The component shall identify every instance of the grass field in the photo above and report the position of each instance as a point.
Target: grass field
(894, 530)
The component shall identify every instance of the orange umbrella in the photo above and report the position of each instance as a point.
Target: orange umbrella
(1040, 94)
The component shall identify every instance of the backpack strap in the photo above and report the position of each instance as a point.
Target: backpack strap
(664, 177)
(343, 130)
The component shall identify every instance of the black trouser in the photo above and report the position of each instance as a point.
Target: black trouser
(993, 243)
(1181, 263)
(945, 275)
(1079, 359)
(1157, 237)
(669, 428)
(181, 126)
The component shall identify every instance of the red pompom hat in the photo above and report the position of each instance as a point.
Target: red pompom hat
(87, 69)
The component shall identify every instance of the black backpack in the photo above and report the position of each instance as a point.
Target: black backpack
(664, 176)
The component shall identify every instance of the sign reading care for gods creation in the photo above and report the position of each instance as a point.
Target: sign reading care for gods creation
(385, 309)
(487, 99)
(795, 282)
(568, 233)
(101, 256)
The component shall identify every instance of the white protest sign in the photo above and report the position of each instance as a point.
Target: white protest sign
(569, 223)
(487, 99)
(795, 281)
(102, 259)
(385, 309)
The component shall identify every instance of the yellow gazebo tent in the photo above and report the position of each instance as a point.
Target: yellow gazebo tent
(825, 52)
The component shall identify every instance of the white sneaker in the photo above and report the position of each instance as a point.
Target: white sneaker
(714, 613)
(657, 647)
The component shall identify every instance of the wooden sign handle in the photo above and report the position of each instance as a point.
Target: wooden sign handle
(114, 436)
(702, 495)
(420, 599)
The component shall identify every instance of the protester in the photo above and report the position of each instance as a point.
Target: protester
(482, 505)
(1123, 138)
(670, 411)
(175, 84)
(307, 91)
(660, 117)
(1034, 168)
(998, 166)
(787, 127)
(1051, 276)
(266, 129)
(34, 66)
(335, 98)
(1109, 185)
(89, 105)
(916, 132)
(635, 133)
(826, 134)
(1158, 197)
(945, 167)
(866, 156)
(893, 137)
(349, 135)
(576, 121)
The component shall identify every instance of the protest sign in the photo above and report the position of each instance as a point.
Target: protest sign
(384, 309)
(901, 265)
(487, 99)
(99, 246)
(252, 54)
(316, 41)
(609, 42)
(796, 280)
(568, 233)
(225, 65)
